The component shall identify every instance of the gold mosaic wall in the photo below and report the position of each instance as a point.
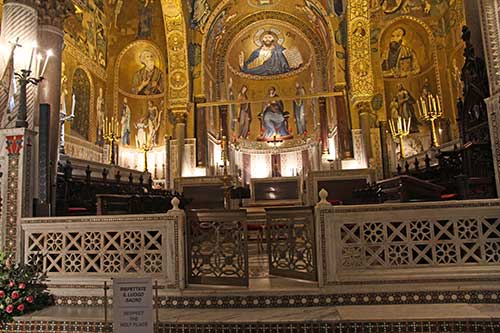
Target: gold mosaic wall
(416, 50)
(206, 48)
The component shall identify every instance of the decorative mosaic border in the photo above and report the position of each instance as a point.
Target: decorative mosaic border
(15, 144)
(304, 300)
(434, 326)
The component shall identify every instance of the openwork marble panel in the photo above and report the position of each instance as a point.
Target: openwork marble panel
(104, 247)
(420, 242)
(457, 240)
(106, 252)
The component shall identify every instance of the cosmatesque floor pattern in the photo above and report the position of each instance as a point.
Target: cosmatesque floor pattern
(432, 318)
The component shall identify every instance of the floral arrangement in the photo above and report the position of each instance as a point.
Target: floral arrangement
(22, 288)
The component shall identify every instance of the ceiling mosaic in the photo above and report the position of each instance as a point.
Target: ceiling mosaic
(205, 13)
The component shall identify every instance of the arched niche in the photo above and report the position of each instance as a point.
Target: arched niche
(314, 40)
(306, 48)
(83, 92)
(140, 88)
(411, 68)
(314, 15)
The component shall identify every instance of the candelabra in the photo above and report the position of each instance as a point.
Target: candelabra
(226, 178)
(24, 78)
(111, 136)
(146, 147)
(400, 128)
(429, 108)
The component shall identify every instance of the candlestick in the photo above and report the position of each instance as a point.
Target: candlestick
(38, 64)
(430, 110)
(73, 104)
(32, 56)
(111, 136)
(400, 128)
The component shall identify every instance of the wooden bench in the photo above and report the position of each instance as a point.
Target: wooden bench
(119, 204)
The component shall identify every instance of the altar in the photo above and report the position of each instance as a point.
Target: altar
(276, 191)
(285, 158)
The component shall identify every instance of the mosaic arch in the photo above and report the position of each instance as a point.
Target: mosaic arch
(178, 69)
(315, 42)
(234, 29)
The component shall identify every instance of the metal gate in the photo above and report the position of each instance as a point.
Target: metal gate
(217, 247)
(291, 242)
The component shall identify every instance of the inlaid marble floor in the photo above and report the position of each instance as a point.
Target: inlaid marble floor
(407, 312)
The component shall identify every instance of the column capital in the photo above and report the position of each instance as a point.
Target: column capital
(200, 98)
(181, 112)
(180, 116)
(50, 12)
(53, 12)
(363, 106)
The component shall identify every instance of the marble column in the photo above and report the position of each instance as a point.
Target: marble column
(385, 138)
(365, 123)
(359, 149)
(180, 137)
(200, 132)
(51, 16)
(344, 129)
(166, 170)
(223, 120)
(323, 119)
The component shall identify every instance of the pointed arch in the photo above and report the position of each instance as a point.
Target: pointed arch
(224, 3)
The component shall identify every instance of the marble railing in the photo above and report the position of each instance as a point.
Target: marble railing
(436, 241)
(77, 250)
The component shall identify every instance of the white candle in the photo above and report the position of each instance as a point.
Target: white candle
(39, 64)
(49, 54)
(73, 104)
(32, 56)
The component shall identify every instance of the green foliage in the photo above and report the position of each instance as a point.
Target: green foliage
(22, 288)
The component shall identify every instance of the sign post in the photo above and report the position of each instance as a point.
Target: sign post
(133, 306)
